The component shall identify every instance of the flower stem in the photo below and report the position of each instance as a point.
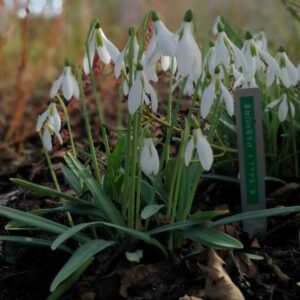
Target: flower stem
(68, 123)
(54, 178)
(88, 128)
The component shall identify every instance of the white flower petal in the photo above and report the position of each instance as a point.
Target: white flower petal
(125, 88)
(283, 109)
(67, 84)
(56, 119)
(154, 159)
(76, 91)
(165, 62)
(104, 55)
(56, 85)
(165, 39)
(149, 158)
(292, 71)
(111, 48)
(42, 118)
(135, 94)
(119, 64)
(228, 99)
(221, 52)
(270, 76)
(298, 70)
(92, 49)
(188, 154)
(207, 99)
(150, 90)
(204, 151)
(47, 139)
(273, 104)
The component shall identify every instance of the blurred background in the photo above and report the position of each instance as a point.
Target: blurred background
(37, 35)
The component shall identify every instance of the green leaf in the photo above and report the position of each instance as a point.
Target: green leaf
(46, 191)
(81, 256)
(151, 210)
(36, 221)
(221, 178)
(134, 256)
(30, 241)
(143, 236)
(208, 215)
(231, 33)
(68, 283)
(72, 180)
(212, 238)
(256, 214)
(100, 199)
(254, 256)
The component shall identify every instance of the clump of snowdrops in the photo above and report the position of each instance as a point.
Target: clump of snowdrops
(142, 181)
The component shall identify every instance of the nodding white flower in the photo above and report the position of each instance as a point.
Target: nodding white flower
(98, 42)
(209, 59)
(67, 82)
(216, 89)
(166, 63)
(122, 59)
(261, 41)
(188, 56)
(149, 159)
(284, 106)
(288, 72)
(227, 50)
(255, 58)
(139, 91)
(216, 25)
(203, 148)
(49, 121)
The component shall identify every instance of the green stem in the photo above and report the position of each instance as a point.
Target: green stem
(68, 123)
(54, 178)
(88, 128)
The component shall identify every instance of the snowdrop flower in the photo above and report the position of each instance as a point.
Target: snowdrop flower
(226, 50)
(67, 83)
(255, 58)
(188, 56)
(210, 93)
(149, 159)
(288, 73)
(209, 60)
(284, 106)
(139, 91)
(216, 24)
(203, 148)
(49, 121)
(98, 42)
(261, 41)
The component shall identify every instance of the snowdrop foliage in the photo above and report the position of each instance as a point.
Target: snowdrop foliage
(49, 123)
(67, 83)
(149, 158)
(203, 149)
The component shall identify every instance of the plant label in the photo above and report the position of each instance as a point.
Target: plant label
(251, 155)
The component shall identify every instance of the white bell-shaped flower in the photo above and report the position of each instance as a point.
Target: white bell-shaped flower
(98, 42)
(261, 40)
(141, 91)
(210, 60)
(226, 51)
(188, 56)
(288, 72)
(203, 149)
(284, 107)
(50, 123)
(67, 83)
(149, 159)
(212, 91)
(216, 25)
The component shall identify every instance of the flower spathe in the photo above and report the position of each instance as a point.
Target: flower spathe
(98, 42)
(139, 92)
(67, 83)
(50, 123)
(284, 107)
(149, 159)
(203, 149)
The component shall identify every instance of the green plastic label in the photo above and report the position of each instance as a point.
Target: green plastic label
(249, 144)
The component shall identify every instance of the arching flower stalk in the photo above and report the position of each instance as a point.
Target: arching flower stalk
(67, 83)
(149, 159)
(216, 89)
(284, 106)
(98, 42)
(199, 143)
(49, 123)
(141, 91)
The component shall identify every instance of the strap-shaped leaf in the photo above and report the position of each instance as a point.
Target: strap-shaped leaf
(46, 191)
(30, 241)
(78, 259)
(100, 199)
(145, 237)
(212, 238)
(37, 221)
